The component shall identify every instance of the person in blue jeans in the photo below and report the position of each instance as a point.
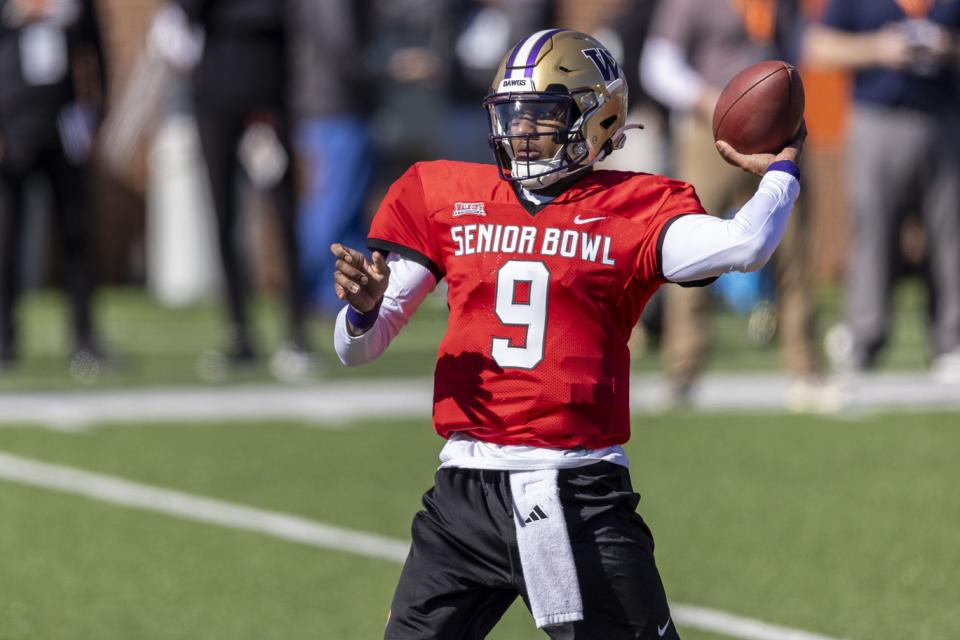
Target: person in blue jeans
(332, 95)
(337, 152)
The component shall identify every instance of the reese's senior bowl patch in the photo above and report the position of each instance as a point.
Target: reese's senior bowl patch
(468, 209)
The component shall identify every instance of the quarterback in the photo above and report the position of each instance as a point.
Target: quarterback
(548, 264)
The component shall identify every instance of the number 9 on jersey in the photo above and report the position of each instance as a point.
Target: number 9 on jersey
(531, 313)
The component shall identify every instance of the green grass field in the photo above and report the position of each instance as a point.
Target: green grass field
(838, 527)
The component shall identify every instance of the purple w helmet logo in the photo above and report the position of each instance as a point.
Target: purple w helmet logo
(604, 62)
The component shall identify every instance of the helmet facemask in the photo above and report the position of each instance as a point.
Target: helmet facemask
(535, 137)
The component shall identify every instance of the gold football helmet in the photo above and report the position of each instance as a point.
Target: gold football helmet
(557, 105)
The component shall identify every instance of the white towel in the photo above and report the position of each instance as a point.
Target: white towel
(544, 543)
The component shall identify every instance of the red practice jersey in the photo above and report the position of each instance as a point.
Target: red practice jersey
(542, 302)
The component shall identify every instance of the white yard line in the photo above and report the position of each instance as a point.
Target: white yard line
(329, 405)
(733, 626)
(118, 491)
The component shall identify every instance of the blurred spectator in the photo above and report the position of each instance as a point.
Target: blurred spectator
(332, 96)
(480, 30)
(240, 88)
(646, 150)
(903, 155)
(51, 96)
(410, 46)
(695, 47)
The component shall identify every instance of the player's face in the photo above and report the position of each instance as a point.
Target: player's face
(539, 147)
(536, 124)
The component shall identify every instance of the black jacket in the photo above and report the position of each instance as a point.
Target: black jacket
(28, 112)
(244, 64)
(330, 45)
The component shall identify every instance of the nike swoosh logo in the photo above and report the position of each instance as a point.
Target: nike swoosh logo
(662, 630)
(579, 220)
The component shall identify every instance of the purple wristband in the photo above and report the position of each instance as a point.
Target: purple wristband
(787, 166)
(363, 321)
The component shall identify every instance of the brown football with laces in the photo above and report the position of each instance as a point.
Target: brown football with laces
(761, 109)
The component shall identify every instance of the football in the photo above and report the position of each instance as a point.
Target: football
(761, 109)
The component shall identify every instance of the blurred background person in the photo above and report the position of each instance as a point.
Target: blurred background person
(479, 31)
(409, 48)
(333, 91)
(694, 48)
(903, 156)
(52, 88)
(240, 103)
(647, 150)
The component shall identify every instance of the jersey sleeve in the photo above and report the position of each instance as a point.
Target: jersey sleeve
(402, 224)
(676, 199)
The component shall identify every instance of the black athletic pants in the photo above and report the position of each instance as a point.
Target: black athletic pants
(464, 571)
(220, 130)
(70, 220)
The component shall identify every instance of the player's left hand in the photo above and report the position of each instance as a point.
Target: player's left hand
(359, 280)
(757, 163)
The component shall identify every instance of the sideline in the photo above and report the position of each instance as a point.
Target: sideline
(118, 491)
(329, 403)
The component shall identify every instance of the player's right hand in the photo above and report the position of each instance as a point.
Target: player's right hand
(357, 279)
(757, 163)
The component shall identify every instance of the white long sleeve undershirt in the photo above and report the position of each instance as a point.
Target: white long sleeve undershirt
(410, 283)
(695, 247)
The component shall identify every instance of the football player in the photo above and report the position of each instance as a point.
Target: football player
(548, 264)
